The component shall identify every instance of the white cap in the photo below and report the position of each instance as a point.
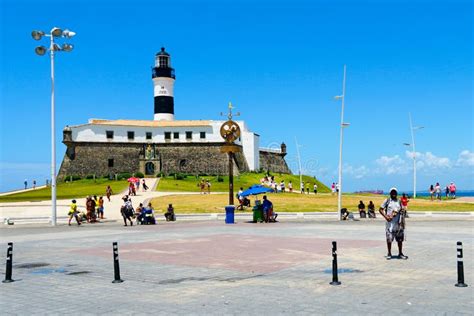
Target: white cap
(393, 189)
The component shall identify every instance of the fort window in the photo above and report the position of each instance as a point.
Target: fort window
(167, 135)
(130, 135)
(202, 135)
(148, 135)
(111, 163)
(182, 164)
(176, 135)
(109, 134)
(189, 135)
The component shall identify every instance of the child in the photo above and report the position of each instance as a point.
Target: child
(73, 213)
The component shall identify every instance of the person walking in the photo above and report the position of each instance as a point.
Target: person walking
(73, 213)
(290, 187)
(391, 210)
(315, 189)
(333, 188)
(144, 186)
(452, 190)
(25, 183)
(34, 184)
(404, 199)
(127, 210)
(108, 192)
(100, 208)
(431, 192)
(447, 191)
(437, 189)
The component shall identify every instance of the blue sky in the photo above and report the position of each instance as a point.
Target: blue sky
(279, 62)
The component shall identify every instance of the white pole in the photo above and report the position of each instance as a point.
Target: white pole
(339, 195)
(299, 163)
(414, 156)
(53, 141)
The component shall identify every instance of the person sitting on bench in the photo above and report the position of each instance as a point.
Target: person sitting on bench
(371, 209)
(169, 215)
(362, 212)
(267, 209)
(149, 216)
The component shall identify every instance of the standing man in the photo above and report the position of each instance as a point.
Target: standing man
(391, 209)
(26, 184)
(315, 189)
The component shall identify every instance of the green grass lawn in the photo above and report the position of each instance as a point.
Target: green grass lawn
(245, 180)
(286, 202)
(68, 190)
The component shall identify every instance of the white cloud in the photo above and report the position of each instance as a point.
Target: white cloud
(391, 165)
(465, 159)
(356, 172)
(429, 161)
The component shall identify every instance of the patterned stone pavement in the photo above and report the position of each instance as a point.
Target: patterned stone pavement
(209, 268)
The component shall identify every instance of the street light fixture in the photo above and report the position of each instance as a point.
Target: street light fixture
(41, 50)
(342, 126)
(412, 129)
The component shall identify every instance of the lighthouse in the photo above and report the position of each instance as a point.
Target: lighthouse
(163, 83)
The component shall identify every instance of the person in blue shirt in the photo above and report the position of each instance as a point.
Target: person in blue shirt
(267, 209)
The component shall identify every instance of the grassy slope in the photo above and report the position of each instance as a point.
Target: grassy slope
(76, 189)
(169, 184)
(298, 203)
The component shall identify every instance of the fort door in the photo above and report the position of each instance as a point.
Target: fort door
(149, 168)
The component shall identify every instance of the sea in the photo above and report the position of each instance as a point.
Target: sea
(459, 193)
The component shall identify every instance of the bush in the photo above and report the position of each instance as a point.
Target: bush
(180, 176)
(139, 175)
(220, 179)
(124, 176)
(160, 174)
(90, 176)
(72, 178)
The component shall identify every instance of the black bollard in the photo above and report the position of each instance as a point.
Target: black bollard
(8, 273)
(335, 280)
(117, 278)
(460, 267)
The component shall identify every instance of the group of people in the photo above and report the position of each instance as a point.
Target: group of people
(305, 187)
(335, 188)
(144, 215)
(436, 191)
(277, 187)
(204, 186)
(26, 184)
(134, 186)
(94, 210)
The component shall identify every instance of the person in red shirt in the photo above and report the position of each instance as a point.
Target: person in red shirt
(404, 199)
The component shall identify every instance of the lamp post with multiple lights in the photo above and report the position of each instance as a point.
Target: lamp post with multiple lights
(412, 130)
(343, 125)
(41, 50)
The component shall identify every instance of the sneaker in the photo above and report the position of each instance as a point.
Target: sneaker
(388, 256)
(402, 256)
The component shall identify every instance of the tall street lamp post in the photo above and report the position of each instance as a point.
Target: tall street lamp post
(343, 125)
(41, 50)
(412, 130)
(299, 165)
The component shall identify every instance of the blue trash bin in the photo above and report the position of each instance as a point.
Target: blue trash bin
(229, 214)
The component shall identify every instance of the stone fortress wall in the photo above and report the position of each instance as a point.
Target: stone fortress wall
(87, 158)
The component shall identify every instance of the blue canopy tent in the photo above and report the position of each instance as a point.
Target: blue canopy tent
(255, 190)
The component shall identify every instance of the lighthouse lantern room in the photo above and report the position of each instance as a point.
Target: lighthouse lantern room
(163, 81)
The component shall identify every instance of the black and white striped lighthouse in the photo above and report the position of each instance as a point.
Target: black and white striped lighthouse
(163, 82)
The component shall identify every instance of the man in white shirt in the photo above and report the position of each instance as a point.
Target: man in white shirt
(391, 210)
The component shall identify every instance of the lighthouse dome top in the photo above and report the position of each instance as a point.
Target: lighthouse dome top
(162, 52)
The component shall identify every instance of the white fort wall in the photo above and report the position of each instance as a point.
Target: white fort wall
(97, 133)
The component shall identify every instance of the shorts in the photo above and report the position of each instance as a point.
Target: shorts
(100, 210)
(398, 235)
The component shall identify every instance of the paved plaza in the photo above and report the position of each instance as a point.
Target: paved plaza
(208, 267)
